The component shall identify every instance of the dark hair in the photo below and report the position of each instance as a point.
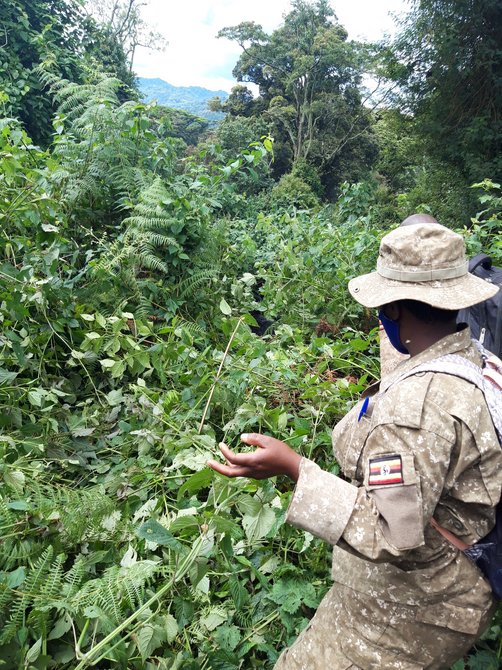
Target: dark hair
(426, 313)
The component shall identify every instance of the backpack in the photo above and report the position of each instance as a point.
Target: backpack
(487, 552)
(485, 318)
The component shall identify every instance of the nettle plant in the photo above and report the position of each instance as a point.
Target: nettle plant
(121, 546)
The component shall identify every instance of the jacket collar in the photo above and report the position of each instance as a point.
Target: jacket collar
(457, 343)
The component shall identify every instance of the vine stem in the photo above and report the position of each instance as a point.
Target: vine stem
(90, 657)
(218, 374)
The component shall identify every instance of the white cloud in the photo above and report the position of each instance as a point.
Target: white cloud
(195, 57)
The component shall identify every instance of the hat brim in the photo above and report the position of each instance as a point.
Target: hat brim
(373, 290)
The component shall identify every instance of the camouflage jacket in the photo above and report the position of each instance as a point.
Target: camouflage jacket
(421, 448)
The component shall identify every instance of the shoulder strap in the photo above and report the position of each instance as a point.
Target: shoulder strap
(480, 259)
(487, 378)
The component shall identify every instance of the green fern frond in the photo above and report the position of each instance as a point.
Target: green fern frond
(74, 578)
(25, 597)
(159, 240)
(188, 287)
(67, 505)
(192, 327)
(143, 309)
(148, 260)
(148, 220)
(6, 596)
(14, 554)
(7, 517)
(109, 595)
(134, 579)
(52, 586)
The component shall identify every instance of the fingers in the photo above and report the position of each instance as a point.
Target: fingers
(237, 465)
(228, 470)
(256, 439)
(233, 458)
(243, 465)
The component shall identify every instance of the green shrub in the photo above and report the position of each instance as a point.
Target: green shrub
(292, 191)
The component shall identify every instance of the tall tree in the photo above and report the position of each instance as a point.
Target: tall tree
(308, 76)
(122, 20)
(450, 52)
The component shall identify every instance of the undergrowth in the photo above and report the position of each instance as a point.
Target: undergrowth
(143, 321)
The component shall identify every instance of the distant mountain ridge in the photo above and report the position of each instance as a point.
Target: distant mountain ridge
(192, 99)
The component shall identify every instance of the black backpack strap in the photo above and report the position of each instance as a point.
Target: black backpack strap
(498, 329)
(480, 259)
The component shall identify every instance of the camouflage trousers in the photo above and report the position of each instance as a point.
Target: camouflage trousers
(352, 631)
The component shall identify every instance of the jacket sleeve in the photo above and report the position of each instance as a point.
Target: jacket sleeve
(403, 472)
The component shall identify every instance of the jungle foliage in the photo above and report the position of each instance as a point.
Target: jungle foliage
(309, 78)
(159, 295)
(449, 67)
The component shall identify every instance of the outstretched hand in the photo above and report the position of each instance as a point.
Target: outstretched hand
(272, 458)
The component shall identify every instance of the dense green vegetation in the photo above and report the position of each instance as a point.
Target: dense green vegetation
(161, 291)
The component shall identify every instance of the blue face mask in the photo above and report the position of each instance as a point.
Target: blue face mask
(392, 329)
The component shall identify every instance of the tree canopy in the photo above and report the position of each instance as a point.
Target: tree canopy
(451, 57)
(309, 78)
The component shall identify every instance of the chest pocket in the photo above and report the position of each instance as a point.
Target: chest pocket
(401, 405)
(349, 437)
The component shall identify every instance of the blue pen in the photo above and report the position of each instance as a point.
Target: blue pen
(364, 407)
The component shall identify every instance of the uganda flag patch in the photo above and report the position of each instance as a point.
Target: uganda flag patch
(385, 470)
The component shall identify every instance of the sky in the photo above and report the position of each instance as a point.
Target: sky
(195, 57)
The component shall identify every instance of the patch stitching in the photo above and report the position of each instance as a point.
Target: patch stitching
(386, 470)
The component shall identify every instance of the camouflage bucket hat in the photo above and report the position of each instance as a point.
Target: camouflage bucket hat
(424, 262)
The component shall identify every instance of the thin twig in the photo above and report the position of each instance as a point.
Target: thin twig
(206, 408)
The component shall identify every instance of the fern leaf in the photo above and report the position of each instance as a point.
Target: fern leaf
(31, 588)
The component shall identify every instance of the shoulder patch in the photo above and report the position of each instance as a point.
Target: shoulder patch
(386, 469)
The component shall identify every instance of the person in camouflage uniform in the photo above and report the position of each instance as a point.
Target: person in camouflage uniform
(417, 454)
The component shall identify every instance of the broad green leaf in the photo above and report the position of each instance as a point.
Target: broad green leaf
(154, 532)
(258, 525)
(143, 638)
(227, 637)
(82, 431)
(100, 320)
(239, 593)
(199, 480)
(225, 307)
(36, 396)
(61, 627)
(16, 577)
(171, 627)
(19, 505)
(15, 479)
(214, 618)
(118, 369)
(193, 459)
(115, 397)
(291, 593)
(6, 376)
(267, 143)
(34, 651)
(249, 505)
